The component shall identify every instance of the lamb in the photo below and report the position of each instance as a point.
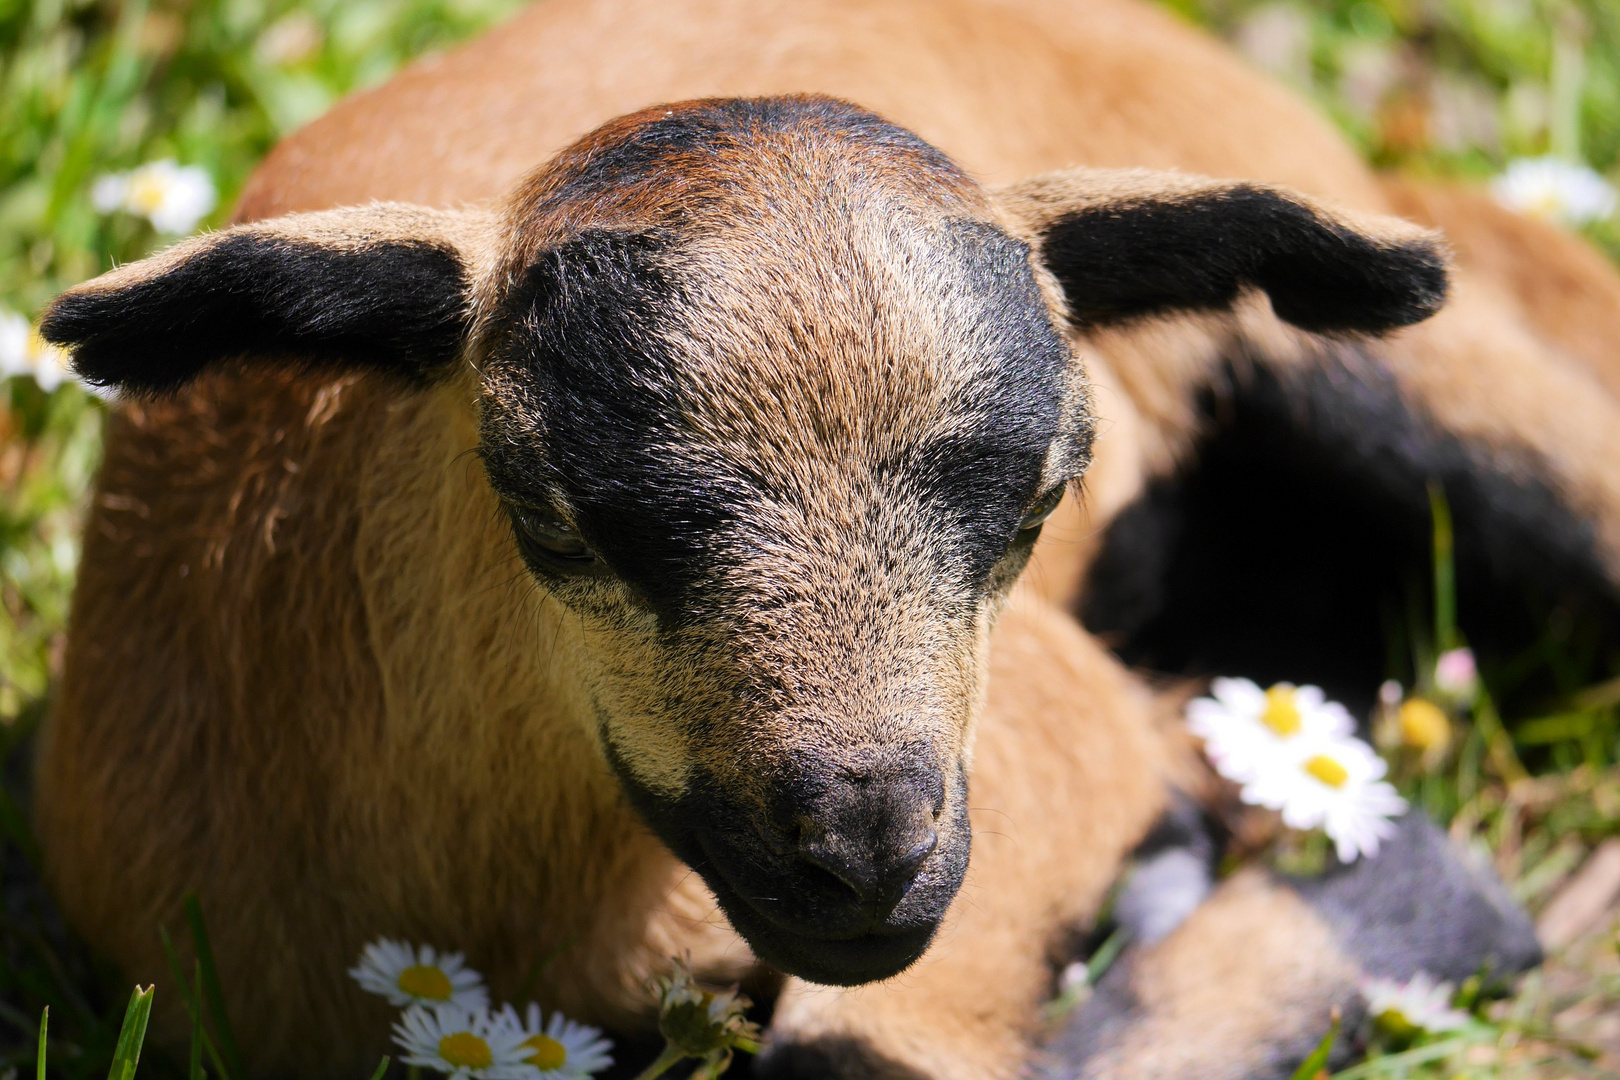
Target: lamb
(681, 487)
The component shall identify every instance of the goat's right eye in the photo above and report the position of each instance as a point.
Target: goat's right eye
(550, 541)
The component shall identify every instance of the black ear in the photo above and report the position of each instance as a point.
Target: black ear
(1133, 243)
(385, 287)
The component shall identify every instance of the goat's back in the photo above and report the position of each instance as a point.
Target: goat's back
(1007, 88)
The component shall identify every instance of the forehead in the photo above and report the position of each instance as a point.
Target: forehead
(790, 302)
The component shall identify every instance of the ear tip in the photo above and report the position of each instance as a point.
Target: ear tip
(1422, 271)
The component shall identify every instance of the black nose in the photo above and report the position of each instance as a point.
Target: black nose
(873, 834)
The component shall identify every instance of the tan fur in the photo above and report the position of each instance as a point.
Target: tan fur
(1561, 285)
(1269, 973)
(1056, 807)
(330, 660)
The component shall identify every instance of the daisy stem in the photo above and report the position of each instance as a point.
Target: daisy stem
(413, 1072)
(665, 1060)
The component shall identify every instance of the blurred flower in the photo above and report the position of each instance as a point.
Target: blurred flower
(1555, 190)
(173, 197)
(1293, 751)
(1456, 677)
(1244, 728)
(24, 352)
(405, 975)
(701, 1023)
(559, 1048)
(1462, 114)
(1367, 72)
(464, 1044)
(1424, 726)
(1406, 1009)
(1277, 37)
(287, 41)
(1335, 784)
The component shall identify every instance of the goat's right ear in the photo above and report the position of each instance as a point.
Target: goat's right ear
(385, 287)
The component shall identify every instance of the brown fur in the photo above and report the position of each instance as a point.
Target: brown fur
(384, 760)
(1272, 974)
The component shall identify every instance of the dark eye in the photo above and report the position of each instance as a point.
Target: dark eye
(1042, 510)
(550, 541)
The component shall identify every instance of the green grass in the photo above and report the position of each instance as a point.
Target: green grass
(1436, 87)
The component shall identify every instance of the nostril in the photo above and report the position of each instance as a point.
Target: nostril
(870, 880)
(826, 854)
(919, 854)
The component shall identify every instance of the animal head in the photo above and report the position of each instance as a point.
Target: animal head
(776, 399)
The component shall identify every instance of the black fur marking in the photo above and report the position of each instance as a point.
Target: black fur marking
(666, 513)
(794, 915)
(1287, 547)
(585, 347)
(1418, 906)
(711, 128)
(390, 306)
(1139, 257)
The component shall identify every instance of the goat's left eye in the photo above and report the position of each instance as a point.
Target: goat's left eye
(1042, 510)
(554, 543)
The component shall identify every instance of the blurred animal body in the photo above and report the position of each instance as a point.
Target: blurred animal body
(506, 542)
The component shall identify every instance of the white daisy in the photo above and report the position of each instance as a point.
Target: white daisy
(1555, 190)
(173, 197)
(1245, 728)
(464, 1044)
(24, 352)
(406, 975)
(1335, 784)
(559, 1048)
(1407, 1008)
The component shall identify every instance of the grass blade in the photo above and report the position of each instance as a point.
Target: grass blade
(1445, 572)
(213, 993)
(382, 1067)
(131, 1035)
(1317, 1061)
(194, 1069)
(192, 1003)
(39, 1063)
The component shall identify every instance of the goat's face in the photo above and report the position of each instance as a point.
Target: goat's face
(776, 407)
(783, 445)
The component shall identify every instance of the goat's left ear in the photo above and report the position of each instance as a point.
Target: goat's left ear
(386, 287)
(1131, 243)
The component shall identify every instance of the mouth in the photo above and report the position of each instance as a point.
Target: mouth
(795, 916)
(876, 945)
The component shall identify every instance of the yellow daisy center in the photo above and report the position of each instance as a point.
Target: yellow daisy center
(1281, 714)
(1423, 725)
(147, 192)
(548, 1053)
(426, 982)
(464, 1050)
(1327, 770)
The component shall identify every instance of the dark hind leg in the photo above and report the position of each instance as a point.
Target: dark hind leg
(1246, 987)
(1296, 537)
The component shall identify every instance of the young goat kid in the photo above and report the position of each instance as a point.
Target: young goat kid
(771, 401)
